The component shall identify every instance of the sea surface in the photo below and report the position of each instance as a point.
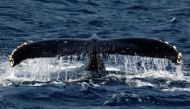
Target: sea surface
(58, 83)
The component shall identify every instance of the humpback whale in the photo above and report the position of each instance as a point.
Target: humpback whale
(94, 47)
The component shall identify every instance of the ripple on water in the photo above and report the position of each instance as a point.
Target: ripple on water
(46, 83)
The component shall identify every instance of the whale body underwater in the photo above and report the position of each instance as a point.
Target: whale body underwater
(94, 47)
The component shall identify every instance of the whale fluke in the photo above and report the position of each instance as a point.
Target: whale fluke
(47, 48)
(95, 45)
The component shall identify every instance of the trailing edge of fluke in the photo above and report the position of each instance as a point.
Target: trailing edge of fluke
(70, 46)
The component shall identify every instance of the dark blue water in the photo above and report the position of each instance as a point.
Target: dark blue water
(29, 87)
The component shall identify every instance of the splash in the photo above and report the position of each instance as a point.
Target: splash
(132, 65)
(72, 68)
(43, 69)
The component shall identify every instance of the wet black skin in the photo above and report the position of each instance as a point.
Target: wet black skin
(94, 47)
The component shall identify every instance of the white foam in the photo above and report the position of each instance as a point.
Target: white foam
(138, 83)
(157, 74)
(112, 69)
(173, 89)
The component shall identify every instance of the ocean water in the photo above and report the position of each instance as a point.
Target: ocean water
(57, 83)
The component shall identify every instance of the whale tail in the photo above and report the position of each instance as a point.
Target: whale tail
(93, 47)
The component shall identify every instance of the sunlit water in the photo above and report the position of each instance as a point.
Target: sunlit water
(63, 82)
